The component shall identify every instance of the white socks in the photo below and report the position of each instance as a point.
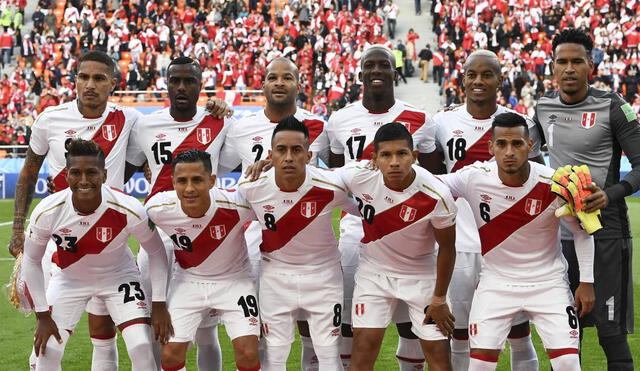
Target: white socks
(565, 360)
(138, 339)
(460, 354)
(479, 362)
(308, 357)
(409, 354)
(523, 354)
(208, 351)
(105, 354)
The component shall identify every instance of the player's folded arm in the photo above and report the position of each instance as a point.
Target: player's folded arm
(626, 128)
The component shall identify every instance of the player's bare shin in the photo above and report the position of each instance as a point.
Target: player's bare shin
(25, 189)
(438, 310)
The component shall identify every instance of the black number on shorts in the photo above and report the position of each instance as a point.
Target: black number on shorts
(270, 221)
(367, 211)
(161, 153)
(484, 212)
(337, 315)
(360, 139)
(457, 148)
(182, 242)
(66, 243)
(126, 287)
(573, 319)
(249, 305)
(257, 148)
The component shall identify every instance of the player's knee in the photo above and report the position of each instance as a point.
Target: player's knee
(438, 354)
(277, 355)
(245, 349)
(101, 326)
(137, 338)
(564, 359)
(404, 330)
(172, 354)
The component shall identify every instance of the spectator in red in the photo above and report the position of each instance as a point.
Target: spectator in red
(6, 45)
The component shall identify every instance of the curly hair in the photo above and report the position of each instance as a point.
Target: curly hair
(573, 36)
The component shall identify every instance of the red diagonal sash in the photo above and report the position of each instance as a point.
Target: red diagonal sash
(94, 240)
(294, 221)
(391, 220)
(211, 237)
(509, 221)
(315, 129)
(106, 137)
(163, 181)
(478, 151)
(414, 120)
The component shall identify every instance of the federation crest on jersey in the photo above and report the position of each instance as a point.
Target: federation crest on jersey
(218, 232)
(588, 120)
(203, 135)
(308, 209)
(533, 206)
(104, 234)
(408, 213)
(109, 132)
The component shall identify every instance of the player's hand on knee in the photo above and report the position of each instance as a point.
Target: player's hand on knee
(219, 108)
(45, 328)
(597, 200)
(585, 298)
(161, 321)
(51, 187)
(16, 244)
(438, 312)
(253, 171)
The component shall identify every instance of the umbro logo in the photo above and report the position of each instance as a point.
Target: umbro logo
(356, 131)
(257, 139)
(160, 136)
(65, 231)
(180, 230)
(70, 132)
(367, 197)
(268, 208)
(485, 198)
(457, 133)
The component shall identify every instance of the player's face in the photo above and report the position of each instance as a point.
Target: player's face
(511, 148)
(94, 83)
(184, 86)
(192, 183)
(481, 80)
(281, 85)
(85, 176)
(571, 68)
(289, 154)
(394, 159)
(378, 72)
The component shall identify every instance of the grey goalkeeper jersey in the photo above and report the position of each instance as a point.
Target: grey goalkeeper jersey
(595, 132)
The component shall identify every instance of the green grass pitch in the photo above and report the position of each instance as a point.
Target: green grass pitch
(16, 332)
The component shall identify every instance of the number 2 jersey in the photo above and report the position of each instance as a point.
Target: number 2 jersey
(94, 246)
(518, 229)
(464, 140)
(297, 231)
(57, 125)
(209, 248)
(398, 225)
(158, 138)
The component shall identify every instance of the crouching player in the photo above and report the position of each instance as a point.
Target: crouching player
(524, 269)
(213, 271)
(90, 224)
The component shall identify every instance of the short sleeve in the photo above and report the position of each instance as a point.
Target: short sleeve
(320, 148)
(424, 139)
(229, 154)
(39, 141)
(534, 135)
(139, 225)
(457, 182)
(445, 213)
(334, 143)
(135, 154)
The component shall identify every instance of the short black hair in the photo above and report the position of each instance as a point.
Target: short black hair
(392, 131)
(296, 71)
(192, 156)
(185, 60)
(291, 123)
(573, 36)
(100, 57)
(510, 120)
(81, 147)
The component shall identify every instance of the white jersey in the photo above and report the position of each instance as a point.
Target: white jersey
(519, 231)
(91, 247)
(158, 138)
(351, 131)
(463, 140)
(398, 225)
(249, 140)
(297, 232)
(210, 248)
(57, 125)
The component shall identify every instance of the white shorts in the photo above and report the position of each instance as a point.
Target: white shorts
(376, 298)
(318, 295)
(233, 302)
(548, 305)
(124, 297)
(95, 306)
(464, 280)
(349, 256)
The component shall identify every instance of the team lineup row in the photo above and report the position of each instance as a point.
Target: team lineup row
(400, 211)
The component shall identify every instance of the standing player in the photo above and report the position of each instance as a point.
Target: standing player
(300, 269)
(405, 210)
(213, 271)
(89, 117)
(90, 224)
(249, 141)
(159, 137)
(462, 137)
(351, 131)
(583, 125)
(523, 270)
